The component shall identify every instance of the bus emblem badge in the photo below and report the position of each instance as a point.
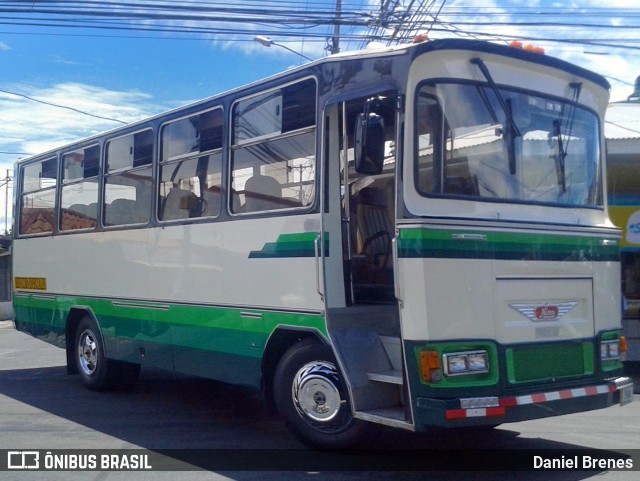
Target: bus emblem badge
(544, 312)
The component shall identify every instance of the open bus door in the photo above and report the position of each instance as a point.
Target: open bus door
(363, 317)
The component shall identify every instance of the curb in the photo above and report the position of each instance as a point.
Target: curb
(7, 325)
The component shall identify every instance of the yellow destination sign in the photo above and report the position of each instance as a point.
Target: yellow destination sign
(32, 283)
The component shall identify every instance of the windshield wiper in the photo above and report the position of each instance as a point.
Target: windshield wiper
(562, 154)
(557, 131)
(511, 129)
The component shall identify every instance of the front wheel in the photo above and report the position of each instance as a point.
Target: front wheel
(311, 396)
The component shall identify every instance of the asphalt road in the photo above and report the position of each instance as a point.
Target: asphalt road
(43, 408)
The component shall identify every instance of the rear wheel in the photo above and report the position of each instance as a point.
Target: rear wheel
(311, 396)
(97, 372)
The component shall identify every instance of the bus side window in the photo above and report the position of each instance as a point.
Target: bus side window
(273, 150)
(79, 199)
(191, 167)
(38, 197)
(128, 181)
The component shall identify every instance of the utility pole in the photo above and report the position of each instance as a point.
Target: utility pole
(335, 40)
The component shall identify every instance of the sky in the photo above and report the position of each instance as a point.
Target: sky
(121, 76)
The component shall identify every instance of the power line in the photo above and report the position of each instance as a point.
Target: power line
(623, 127)
(52, 104)
(406, 19)
(395, 22)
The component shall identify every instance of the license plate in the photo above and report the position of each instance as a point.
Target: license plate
(626, 394)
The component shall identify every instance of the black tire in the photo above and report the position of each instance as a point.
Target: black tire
(96, 371)
(311, 397)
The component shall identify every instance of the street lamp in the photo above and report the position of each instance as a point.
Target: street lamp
(267, 42)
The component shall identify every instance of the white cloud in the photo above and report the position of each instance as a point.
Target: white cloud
(595, 48)
(30, 127)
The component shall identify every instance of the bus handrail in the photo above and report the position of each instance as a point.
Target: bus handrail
(316, 248)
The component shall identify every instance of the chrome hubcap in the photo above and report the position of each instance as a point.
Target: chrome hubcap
(88, 352)
(315, 394)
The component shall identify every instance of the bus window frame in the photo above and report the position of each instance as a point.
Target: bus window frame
(106, 174)
(240, 144)
(190, 156)
(63, 183)
(21, 192)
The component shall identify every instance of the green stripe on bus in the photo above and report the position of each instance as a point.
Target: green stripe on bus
(224, 329)
(291, 245)
(460, 244)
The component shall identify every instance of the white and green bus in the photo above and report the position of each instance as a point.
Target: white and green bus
(412, 236)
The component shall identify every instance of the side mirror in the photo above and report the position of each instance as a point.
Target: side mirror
(369, 144)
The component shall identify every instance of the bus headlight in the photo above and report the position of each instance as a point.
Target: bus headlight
(610, 350)
(469, 362)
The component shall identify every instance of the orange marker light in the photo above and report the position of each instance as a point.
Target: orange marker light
(430, 367)
(533, 48)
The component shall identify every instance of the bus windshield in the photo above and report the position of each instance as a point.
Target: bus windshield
(502, 145)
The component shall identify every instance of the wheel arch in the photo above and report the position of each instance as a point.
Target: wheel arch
(278, 343)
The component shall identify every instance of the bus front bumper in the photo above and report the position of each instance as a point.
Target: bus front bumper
(497, 410)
